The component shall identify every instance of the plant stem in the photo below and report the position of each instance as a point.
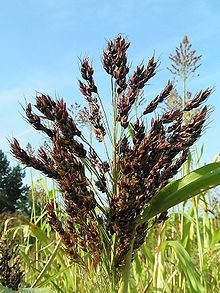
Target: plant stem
(114, 134)
(40, 276)
(105, 118)
(185, 167)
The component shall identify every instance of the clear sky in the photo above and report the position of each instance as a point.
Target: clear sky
(41, 41)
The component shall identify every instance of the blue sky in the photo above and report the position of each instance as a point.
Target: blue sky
(41, 42)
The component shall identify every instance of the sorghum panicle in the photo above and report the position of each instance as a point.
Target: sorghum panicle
(63, 164)
(148, 165)
(184, 62)
(146, 159)
(115, 61)
(94, 109)
(136, 82)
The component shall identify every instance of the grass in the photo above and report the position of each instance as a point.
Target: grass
(166, 262)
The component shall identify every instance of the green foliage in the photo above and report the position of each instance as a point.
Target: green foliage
(25, 290)
(10, 262)
(187, 265)
(180, 190)
(163, 263)
(13, 194)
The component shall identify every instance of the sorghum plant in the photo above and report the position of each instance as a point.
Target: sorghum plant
(184, 63)
(184, 67)
(103, 213)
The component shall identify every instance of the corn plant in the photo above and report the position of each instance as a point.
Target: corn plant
(109, 203)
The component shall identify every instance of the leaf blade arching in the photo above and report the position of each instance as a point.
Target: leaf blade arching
(177, 191)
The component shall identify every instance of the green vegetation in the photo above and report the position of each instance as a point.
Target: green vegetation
(105, 225)
(13, 194)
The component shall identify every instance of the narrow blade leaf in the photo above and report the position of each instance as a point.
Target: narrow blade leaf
(187, 267)
(182, 189)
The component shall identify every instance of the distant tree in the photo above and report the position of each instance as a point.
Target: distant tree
(13, 194)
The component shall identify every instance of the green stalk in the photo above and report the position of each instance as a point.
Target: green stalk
(114, 133)
(47, 265)
(106, 151)
(200, 246)
(90, 142)
(158, 279)
(114, 168)
(196, 207)
(184, 84)
(105, 116)
(184, 170)
(33, 210)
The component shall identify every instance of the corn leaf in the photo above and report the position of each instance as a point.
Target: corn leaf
(177, 191)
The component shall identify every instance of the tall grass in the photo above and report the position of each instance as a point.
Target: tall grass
(157, 266)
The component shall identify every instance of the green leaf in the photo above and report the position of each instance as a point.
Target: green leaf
(5, 290)
(182, 189)
(200, 154)
(216, 237)
(35, 290)
(130, 131)
(138, 265)
(38, 233)
(187, 266)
